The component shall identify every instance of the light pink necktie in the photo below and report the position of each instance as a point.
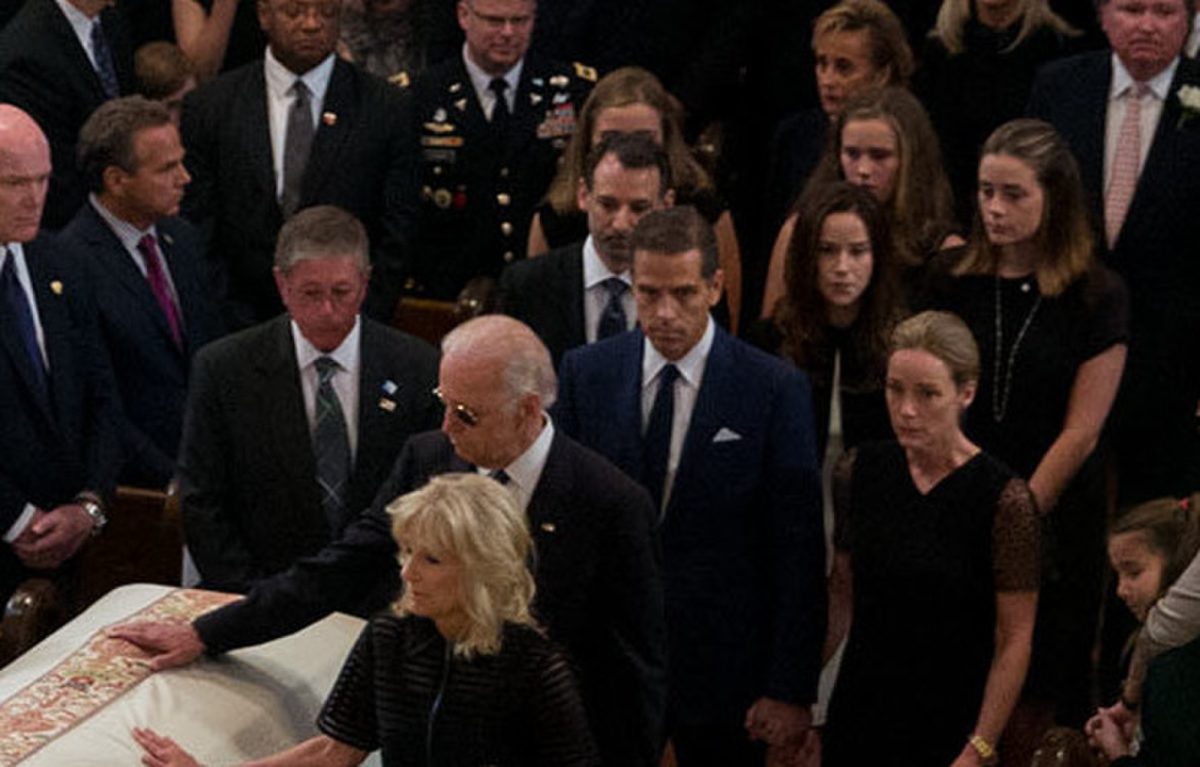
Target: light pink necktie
(1126, 160)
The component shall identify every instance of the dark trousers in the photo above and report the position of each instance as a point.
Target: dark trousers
(716, 745)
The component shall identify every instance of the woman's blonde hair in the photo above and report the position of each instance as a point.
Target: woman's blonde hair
(1065, 245)
(886, 40)
(946, 337)
(477, 521)
(621, 88)
(953, 16)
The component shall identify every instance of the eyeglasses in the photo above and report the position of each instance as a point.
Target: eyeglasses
(466, 415)
(498, 22)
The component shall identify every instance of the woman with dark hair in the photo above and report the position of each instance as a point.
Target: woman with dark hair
(459, 673)
(1052, 326)
(632, 100)
(218, 35)
(838, 313)
(935, 574)
(976, 71)
(883, 142)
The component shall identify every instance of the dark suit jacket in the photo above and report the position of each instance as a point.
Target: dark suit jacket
(1158, 255)
(151, 371)
(598, 588)
(358, 162)
(45, 71)
(52, 447)
(743, 554)
(546, 293)
(476, 193)
(247, 473)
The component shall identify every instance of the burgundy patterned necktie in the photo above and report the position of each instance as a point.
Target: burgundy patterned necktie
(148, 247)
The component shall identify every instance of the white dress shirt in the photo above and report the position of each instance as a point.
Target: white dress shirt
(595, 295)
(279, 81)
(130, 236)
(345, 380)
(1120, 90)
(14, 251)
(480, 81)
(687, 388)
(525, 471)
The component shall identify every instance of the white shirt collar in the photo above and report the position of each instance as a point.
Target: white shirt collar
(595, 271)
(690, 365)
(480, 79)
(525, 471)
(280, 79)
(1160, 84)
(346, 354)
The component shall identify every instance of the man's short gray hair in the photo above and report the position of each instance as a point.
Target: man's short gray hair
(322, 231)
(524, 361)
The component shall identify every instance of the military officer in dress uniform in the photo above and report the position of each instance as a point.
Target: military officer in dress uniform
(491, 126)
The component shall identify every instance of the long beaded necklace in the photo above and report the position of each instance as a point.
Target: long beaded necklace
(1000, 397)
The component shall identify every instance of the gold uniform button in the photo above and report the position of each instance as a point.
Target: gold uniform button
(503, 198)
(506, 229)
(508, 257)
(504, 173)
(437, 170)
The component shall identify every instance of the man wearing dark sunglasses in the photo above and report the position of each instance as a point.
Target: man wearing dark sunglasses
(598, 589)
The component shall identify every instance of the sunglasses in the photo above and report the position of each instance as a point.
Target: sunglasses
(466, 415)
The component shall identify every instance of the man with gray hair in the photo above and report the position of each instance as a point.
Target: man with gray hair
(292, 425)
(598, 588)
(144, 270)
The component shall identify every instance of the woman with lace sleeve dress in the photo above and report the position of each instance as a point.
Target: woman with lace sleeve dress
(937, 563)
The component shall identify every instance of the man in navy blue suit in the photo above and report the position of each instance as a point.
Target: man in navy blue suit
(1138, 145)
(722, 437)
(58, 447)
(145, 273)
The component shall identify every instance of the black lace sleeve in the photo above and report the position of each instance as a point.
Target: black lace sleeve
(843, 474)
(348, 715)
(1016, 539)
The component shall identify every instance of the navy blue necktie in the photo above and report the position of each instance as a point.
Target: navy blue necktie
(657, 443)
(331, 444)
(612, 319)
(500, 113)
(22, 316)
(104, 62)
(500, 475)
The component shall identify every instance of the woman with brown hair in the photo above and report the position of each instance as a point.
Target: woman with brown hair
(883, 141)
(1052, 326)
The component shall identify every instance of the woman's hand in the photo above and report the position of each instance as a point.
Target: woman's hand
(968, 757)
(1106, 734)
(160, 751)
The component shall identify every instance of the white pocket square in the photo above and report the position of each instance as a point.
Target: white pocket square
(726, 435)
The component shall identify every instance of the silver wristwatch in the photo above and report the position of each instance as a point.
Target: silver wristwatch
(99, 520)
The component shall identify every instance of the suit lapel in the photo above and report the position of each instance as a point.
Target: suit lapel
(529, 104)
(285, 413)
(552, 486)
(70, 46)
(11, 340)
(340, 105)
(1092, 111)
(571, 296)
(255, 133)
(373, 417)
(715, 388)
(62, 378)
(107, 248)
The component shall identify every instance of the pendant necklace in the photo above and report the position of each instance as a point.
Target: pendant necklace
(1000, 397)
